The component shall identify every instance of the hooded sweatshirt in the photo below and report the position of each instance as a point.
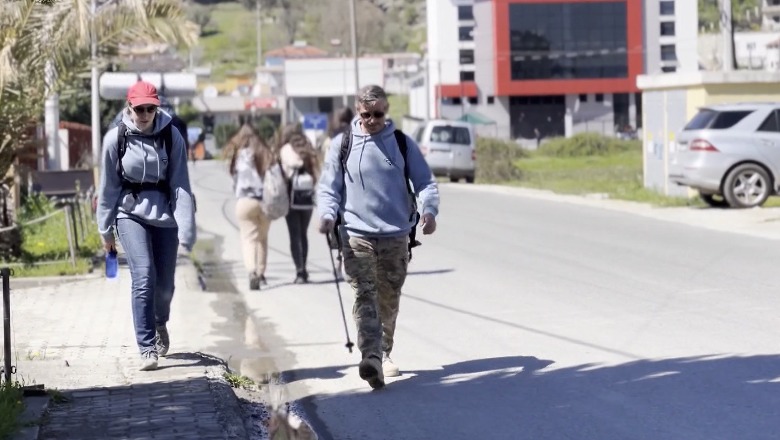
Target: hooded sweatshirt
(371, 194)
(146, 161)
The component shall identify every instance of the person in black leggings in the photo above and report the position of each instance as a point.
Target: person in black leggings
(301, 167)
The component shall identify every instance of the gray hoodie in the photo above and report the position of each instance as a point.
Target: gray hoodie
(145, 162)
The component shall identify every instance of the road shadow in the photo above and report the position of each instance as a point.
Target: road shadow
(525, 397)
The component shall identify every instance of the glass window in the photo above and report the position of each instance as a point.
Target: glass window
(450, 135)
(667, 29)
(465, 12)
(771, 123)
(667, 7)
(467, 56)
(568, 40)
(466, 33)
(716, 120)
(668, 52)
(466, 76)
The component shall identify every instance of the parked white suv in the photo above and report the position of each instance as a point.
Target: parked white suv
(730, 153)
(449, 148)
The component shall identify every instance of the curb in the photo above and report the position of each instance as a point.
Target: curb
(34, 409)
(226, 403)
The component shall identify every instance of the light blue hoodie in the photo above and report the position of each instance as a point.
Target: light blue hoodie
(372, 195)
(145, 162)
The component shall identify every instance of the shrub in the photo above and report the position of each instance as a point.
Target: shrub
(496, 160)
(586, 144)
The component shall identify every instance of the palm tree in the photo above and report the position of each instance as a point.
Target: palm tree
(46, 43)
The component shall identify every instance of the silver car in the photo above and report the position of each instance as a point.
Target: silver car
(449, 148)
(730, 153)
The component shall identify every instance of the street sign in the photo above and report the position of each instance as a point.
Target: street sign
(315, 121)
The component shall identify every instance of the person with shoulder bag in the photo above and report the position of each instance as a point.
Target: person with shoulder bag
(251, 164)
(145, 196)
(301, 168)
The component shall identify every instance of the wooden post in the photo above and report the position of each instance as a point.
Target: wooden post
(69, 231)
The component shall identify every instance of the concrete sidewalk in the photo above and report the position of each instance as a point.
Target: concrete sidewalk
(78, 338)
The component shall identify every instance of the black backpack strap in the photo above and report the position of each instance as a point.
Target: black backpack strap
(346, 143)
(121, 146)
(400, 138)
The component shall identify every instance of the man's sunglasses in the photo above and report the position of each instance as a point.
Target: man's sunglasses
(145, 109)
(376, 115)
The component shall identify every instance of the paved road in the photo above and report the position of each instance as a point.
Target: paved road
(526, 316)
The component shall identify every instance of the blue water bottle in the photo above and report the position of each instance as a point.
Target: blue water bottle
(112, 265)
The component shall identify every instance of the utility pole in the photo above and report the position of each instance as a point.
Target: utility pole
(259, 35)
(727, 35)
(353, 32)
(95, 98)
(428, 87)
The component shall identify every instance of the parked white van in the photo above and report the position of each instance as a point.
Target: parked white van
(449, 148)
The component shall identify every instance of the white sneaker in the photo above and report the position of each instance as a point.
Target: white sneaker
(148, 361)
(388, 367)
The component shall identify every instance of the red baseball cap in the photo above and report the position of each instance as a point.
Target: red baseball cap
(142, 93)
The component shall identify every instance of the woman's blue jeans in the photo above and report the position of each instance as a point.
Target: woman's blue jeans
(151, 254)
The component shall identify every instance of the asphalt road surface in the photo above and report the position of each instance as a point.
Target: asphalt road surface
(528, 317)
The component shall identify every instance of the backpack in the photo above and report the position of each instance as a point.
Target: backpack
(400, 138)
(302, 187)
(166, 135)
(276, 198)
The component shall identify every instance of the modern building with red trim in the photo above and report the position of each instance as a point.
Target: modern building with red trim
(534, 67)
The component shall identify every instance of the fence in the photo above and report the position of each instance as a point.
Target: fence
(78, 217)
(7, 370)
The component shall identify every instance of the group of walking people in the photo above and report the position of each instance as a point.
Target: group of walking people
(364, 179)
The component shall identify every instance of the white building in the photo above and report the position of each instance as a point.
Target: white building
(671, 36)
(770, 11)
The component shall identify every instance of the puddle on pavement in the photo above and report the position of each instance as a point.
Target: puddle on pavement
(241, 344)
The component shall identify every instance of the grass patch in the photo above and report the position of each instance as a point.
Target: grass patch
(238, 381)
(584, 164)
(45, 250)
(231, 39)
(11, 407)
(399, 106)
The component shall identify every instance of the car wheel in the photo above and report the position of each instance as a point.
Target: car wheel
(747, 186)
(454, 179)
(714, 200)
(469, 179)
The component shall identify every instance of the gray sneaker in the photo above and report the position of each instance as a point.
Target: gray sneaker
(370, 370)
(388, 366)
(162, 341)
(149, 361)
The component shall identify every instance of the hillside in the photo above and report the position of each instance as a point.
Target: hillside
(228, 28)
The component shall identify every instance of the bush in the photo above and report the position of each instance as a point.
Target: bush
(11, 407)
(266, 127)
(496, 160)
(223, 133)
(586, 144)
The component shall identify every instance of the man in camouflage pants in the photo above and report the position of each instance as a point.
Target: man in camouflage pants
(369, 193)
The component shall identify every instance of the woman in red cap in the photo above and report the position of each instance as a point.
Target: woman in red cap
(145, 196)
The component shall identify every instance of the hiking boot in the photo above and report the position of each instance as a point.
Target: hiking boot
(149, 361)
(388, 366)
(162, 341)
(370, 370)
(254, 282)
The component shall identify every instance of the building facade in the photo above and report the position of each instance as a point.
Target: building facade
(543, 68)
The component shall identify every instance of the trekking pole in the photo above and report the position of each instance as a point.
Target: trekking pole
(349, 343)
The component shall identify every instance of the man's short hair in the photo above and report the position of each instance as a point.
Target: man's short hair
(371, 94)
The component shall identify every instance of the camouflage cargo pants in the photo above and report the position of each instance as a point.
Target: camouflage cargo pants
(376, 270)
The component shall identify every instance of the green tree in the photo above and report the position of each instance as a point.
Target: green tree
(40, 36)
